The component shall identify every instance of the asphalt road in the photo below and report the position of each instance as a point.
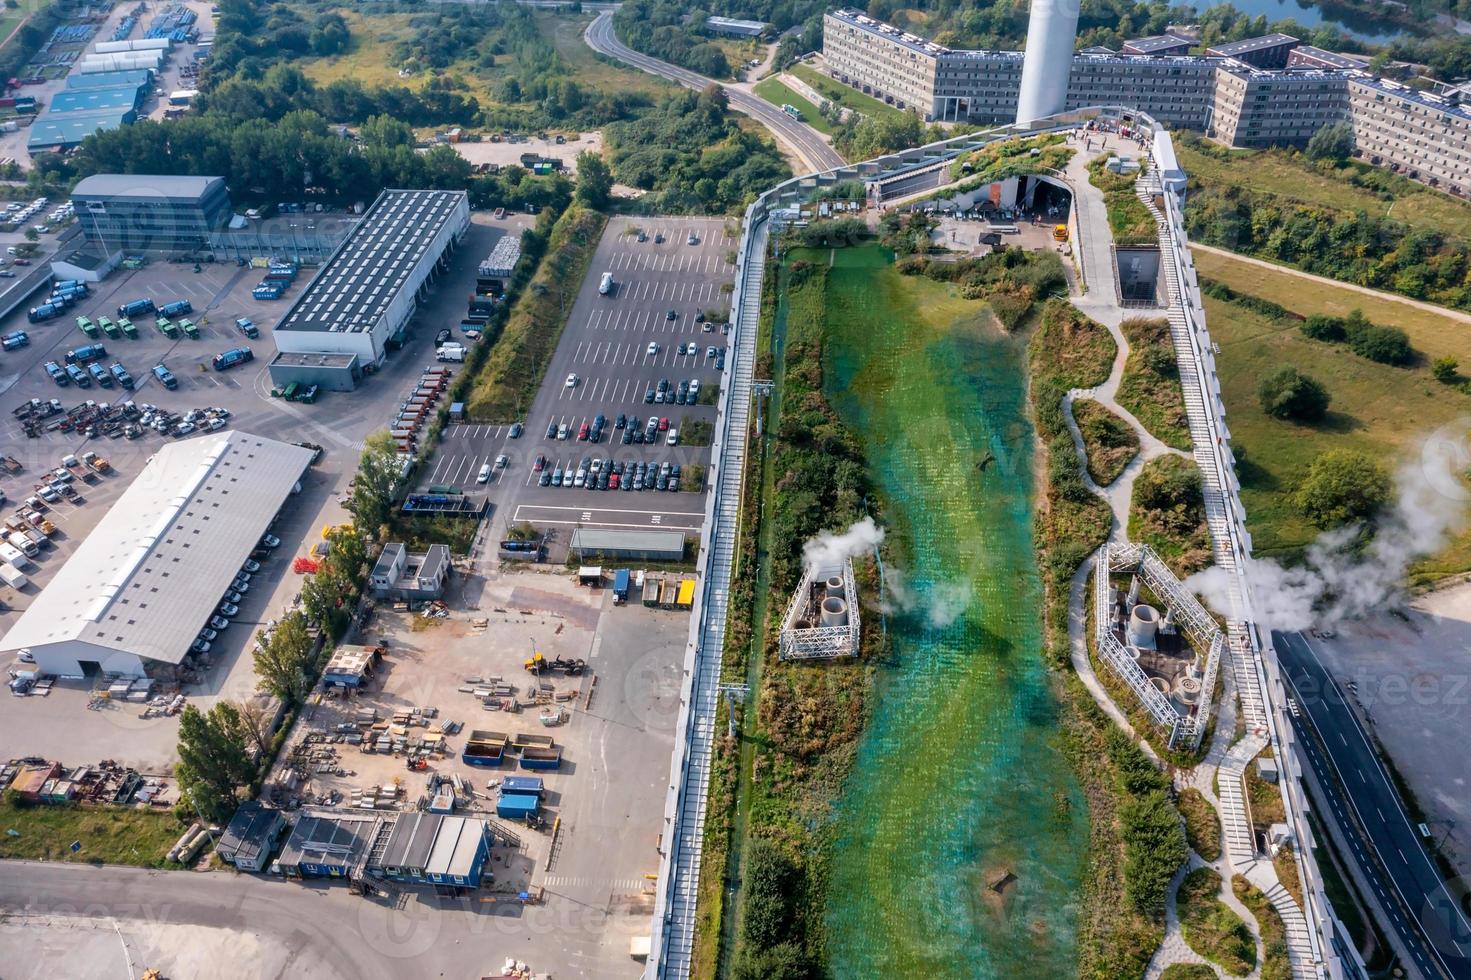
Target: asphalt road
(804, 141)
(1424, 910)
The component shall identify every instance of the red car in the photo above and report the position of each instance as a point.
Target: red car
(21, 261)
(663, 424)
(613, 481)
(582, 433)
(540, 464)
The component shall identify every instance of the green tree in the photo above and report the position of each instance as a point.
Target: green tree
(768, 883)
(371, 503)
(1334, 141)
(1289, 394)
(594, 180)
(1342, 486)
(1154, 846)
(1168, 486)
(214, 758)
(32, 235)
(283, 661)
(1444, 369)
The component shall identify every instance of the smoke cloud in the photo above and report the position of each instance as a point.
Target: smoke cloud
(941, 603)
(1343, 578)
(829, 549)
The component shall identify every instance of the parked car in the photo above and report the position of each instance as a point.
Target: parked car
(270, 541)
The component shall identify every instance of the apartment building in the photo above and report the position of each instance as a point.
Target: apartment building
(981, 86)
(1256, 108)
(1422, 135)
(880, 60)
(1269, 91)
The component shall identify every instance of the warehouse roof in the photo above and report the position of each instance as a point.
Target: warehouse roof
(110, 79)
(373, 263)
(432, 844)
(332, 837)
(149, 575)
(70, 128)
(150, 186)
(598, 539)
(96, 99)
(751, 27)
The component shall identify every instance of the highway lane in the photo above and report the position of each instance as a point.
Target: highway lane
(1434, 924)
(803, 140)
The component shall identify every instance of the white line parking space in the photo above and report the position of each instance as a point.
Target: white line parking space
(605, 517)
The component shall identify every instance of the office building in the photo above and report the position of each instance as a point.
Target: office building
(137, 212)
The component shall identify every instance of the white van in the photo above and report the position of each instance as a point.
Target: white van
(12, 576)
(606, 286)
(18, 539)
(14, 556)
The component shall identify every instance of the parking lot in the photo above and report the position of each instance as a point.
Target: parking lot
(617, 349)
(337, 422)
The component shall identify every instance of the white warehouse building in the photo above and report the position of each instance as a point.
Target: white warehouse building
(148, 578)
(362, 299)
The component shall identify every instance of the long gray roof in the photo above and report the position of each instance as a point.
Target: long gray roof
(150, 575)
(144, 185)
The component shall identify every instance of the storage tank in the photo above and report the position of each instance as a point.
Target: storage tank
(834, 611)
(1189, 690)
(1142, 623)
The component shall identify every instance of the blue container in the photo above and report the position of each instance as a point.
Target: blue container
(527, 785)
(517, 806)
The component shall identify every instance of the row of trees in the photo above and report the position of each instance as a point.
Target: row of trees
(229, 747)
(1359, 247)
(671, 32)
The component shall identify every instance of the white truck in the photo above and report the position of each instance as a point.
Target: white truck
(13, 556)
(18, 539)
(450, 352)
(12, 576)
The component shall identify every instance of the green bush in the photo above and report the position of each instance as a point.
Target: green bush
(1444, 369)
(1289, 394)
(1325, 328)
(1154, 846)
(1386, 345)
(1342, 486)
(769, 883)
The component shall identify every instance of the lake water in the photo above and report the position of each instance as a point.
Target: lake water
(1363, 28)
(960, 838)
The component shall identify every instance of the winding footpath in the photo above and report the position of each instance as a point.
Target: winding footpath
(803, 141)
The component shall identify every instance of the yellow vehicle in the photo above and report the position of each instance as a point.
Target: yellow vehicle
(1059, 233)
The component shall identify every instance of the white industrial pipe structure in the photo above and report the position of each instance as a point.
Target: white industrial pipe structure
(1052, 32)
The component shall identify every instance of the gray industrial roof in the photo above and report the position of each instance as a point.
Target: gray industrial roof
(150, 575)
(1232, 49)
(433, 843)
(598, 539)
(150, 186)
(339, 837)
(373, 263)
(109, 79)
(70, 128)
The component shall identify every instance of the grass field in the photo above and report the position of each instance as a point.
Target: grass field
(1150, 387)
(1110, 441)
(108, 835)
(1211, 929)
(566, 36)
(1377, 409)
(369, 55)
(1287, 175)
(1433, 334)
(1202, 825)
(844, 96)
(777, 94)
